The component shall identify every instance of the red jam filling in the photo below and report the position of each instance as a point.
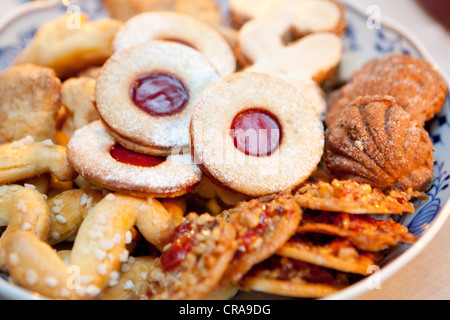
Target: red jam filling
(159, 94)
(123, 155)
(256, 133)
(182, 241)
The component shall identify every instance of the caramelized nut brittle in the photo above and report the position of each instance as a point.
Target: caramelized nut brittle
(263, 226)
(288, 277)
(352, 197)
(193, 261)
(329, 252)
(364, 232)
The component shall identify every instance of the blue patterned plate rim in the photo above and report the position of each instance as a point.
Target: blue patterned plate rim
(10, 291)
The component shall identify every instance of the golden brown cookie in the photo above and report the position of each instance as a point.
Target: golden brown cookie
(77, 96)
(69, 46)
(415, 84)
(376, 142)
(29, 103)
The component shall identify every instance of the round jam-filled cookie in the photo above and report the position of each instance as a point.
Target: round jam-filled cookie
(179, 28)
(146, 94)
(96, 156)
(256, 134)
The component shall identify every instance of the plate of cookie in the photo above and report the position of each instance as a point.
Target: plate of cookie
(203, 150)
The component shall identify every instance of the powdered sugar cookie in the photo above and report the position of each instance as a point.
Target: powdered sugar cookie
(247, 130)
(96, 157)
(180, 28)
(146, 94)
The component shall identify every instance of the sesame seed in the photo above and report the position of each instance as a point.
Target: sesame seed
(31, 277)
(21, 206)
(128, 237)
(110, 197)
(55, 235)
(48, 143)
(51, 282)
(29, 186)
(102, 268)
(13, 258)
(61, 219)
(129, 285)
(26, 226)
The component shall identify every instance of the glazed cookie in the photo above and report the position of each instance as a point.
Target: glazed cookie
(96, 156)
(248, 129)
(179, 28)
(146, 94)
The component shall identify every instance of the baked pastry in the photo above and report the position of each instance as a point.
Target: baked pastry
(279, 22)
(194, 260)
(306, 64)
(33, 91)
(262, 226)
(352, 197)
(415, 84)
(77, 97)
(245, 134)
(375, 142)
(146, 94)
(291, 278)
(180, 28)
(329, 252)
(67, 47)
(94, 154)
(364, 232)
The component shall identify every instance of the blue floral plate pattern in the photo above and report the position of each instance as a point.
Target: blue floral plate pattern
(364, 40)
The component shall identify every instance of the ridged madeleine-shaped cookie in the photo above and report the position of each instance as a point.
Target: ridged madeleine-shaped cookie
(374, 141)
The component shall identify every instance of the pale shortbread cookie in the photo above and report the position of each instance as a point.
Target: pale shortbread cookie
(29, 103)
(89, 153)
(69, 45)
(302, 134)
(118, 110)
(279, 22)
(178, 27)
(305, 64)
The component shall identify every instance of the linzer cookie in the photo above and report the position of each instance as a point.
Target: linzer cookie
(97, 157)
(179, 28)
(248, 129)
(146, 94)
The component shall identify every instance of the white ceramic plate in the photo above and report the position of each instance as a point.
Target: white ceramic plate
(362, 42)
